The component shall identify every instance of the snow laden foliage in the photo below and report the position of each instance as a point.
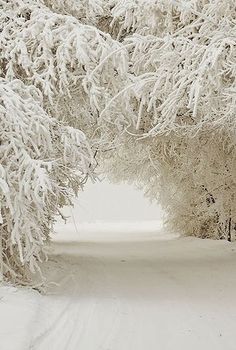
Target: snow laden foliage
(42, 163)
(152, 86)
(178, 110)
(45, 158)
(72, 63)
(56, 52)
(87, 11)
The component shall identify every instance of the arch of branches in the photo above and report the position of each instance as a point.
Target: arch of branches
(144, 88)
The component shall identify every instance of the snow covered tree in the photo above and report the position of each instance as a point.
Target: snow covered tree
(45, 157)
(179, 110)
(42, 162)
(148, 86)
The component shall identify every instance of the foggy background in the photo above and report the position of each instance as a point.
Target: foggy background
(105, 202)
(107, 211)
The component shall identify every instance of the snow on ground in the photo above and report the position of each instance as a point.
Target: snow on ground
(137, 289)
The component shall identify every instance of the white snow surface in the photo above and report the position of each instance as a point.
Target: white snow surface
(126, 287)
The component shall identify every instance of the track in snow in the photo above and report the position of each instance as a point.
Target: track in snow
(138, 294)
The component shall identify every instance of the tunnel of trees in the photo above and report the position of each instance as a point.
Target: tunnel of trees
(141, 90)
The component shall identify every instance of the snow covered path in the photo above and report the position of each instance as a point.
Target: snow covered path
(136, 294)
